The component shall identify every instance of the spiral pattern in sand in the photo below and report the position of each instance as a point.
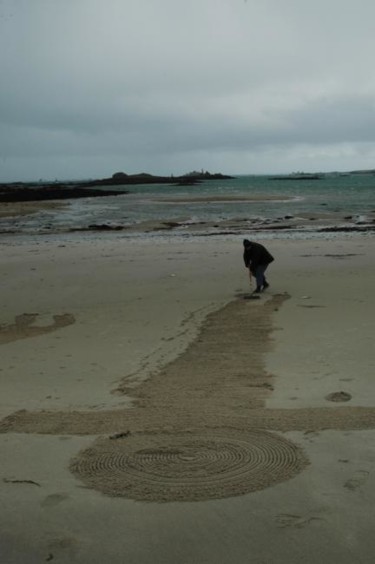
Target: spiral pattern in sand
(194, 466)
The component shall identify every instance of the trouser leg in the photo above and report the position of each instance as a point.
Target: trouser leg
(259, 275)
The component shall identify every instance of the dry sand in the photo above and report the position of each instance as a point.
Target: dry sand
(152, 414)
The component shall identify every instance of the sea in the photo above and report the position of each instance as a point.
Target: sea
(295, 206)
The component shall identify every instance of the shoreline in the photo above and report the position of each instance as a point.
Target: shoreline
(298, 227)
(207, 211)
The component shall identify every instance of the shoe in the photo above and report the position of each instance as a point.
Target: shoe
(265, 285)
(258, 290)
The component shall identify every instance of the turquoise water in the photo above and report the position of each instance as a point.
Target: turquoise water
(343, 196)
(349, 195)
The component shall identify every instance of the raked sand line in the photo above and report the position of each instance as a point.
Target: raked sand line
(129, 421)
(199, 428)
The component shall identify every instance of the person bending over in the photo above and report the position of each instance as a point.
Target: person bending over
(257, 259)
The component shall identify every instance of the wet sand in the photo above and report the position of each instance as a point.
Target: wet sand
(17, 209)
(151, 413)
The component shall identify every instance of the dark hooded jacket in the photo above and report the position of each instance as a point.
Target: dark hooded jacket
(255, 255)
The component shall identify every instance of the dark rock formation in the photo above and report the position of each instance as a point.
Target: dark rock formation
(348, 228)
(32, 193)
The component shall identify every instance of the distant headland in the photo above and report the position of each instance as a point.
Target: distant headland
(38, 191)
(121, 178)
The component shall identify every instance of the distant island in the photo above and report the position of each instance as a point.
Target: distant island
(40, 191)
(298, 176)
(320, 175)
(121, 178)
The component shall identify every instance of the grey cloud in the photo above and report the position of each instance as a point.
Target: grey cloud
(167, 84)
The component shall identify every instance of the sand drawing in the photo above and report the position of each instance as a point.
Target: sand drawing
(24, 326)
(199, 428)
(183, 466)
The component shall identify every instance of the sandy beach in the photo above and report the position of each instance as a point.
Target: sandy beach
(151, 413)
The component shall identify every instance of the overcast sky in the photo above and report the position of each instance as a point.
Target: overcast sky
(92, 87)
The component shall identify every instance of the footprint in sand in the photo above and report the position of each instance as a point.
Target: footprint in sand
(358, 479)
(339, 396)
(295, 521)
(54, 499)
